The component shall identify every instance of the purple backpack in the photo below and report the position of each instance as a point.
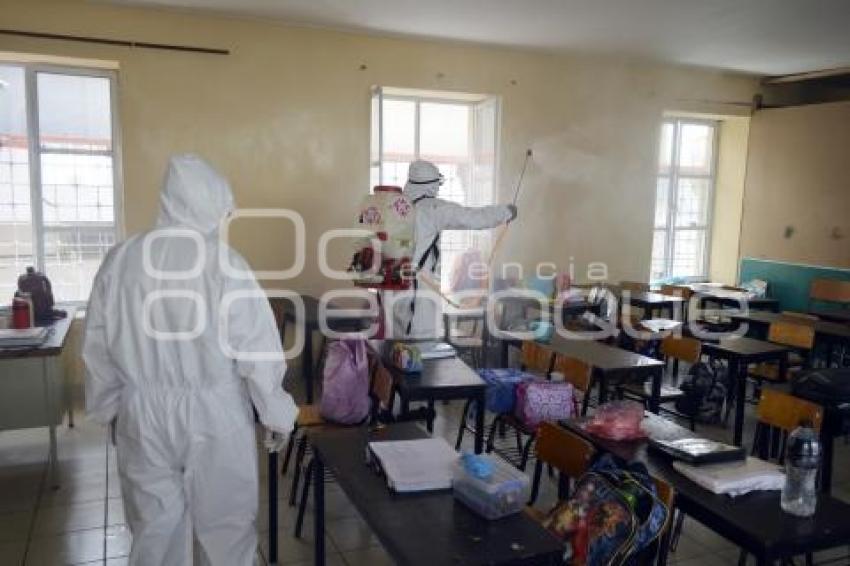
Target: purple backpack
(543, 401)
(345, 383)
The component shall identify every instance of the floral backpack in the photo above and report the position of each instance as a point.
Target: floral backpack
(614, 514)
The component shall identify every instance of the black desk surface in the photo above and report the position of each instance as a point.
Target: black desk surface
(642, 298)
(285, 308)
(755, 520)
(834, 315)
(601, 356)
(744, 347)
(54, 343)
(825, 327)
(451, 376)
(428, 528)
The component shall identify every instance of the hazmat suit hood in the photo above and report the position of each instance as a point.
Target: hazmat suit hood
(423, 180)
(194, 195)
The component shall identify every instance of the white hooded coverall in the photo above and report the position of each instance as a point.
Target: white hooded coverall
(186, 444)
(433, 215)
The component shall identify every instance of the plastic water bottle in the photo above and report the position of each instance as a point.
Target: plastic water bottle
(799, 496)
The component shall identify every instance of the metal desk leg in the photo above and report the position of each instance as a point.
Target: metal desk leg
(307, 367)
(319, 511)
(53, 464)
(479, 421)
(739, 371)
(272, 495)
(602, 380)
(655, 398)
(826, 441)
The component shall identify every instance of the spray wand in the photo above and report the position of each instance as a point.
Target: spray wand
(501, 237)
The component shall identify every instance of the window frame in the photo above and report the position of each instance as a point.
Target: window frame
(673, 177)
(35, 151)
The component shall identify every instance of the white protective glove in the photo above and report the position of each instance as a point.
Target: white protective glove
(274, 441)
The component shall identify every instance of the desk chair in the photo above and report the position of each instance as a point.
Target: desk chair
(778, 415)
(382, 396)
(309, 416)
(571, 456)
(797, 334)
(538, 360)
(564, 451)
(677, 349)
(632, 287)
(577, 373)
(831, 291)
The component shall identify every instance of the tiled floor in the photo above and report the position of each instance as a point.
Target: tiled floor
(83, 521)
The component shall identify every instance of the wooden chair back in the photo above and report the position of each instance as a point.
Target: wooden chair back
(785, 412)
(829, 290)
(799, 316)
(536, 358)
(779, 414)
(634, 286)
(677, 291)
(563, 450)
(792, 333)
(574, 371)
(383, 388)
(683, 348)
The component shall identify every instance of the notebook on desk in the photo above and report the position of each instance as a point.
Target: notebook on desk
(697, 450)
(414, 465)
(22, 338)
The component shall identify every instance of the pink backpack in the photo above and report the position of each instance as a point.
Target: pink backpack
(543, 401)
(345, 383)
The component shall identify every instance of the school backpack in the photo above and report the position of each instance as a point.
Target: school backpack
(345, 382)
(544, 401)
(705, 390)
(613, 515)
(501, 388)
(38, 286)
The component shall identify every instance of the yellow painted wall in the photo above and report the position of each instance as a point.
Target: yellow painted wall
(728, 200)
(798, 176)
(286, 118)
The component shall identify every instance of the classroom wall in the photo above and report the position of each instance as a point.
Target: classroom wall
(728, 199)
(797, 196)
(286, 118)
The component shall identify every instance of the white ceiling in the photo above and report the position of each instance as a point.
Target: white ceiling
(770, 37)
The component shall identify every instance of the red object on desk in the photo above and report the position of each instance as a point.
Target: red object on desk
(21, 311)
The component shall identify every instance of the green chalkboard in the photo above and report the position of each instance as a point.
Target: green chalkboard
(789, 282)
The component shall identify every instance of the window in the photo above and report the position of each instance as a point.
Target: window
(684, 199)
(59, 179)
(458, 133)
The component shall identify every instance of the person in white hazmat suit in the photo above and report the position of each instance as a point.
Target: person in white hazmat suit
(419, 317)
(164, 357)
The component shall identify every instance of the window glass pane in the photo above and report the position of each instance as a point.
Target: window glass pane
(399, 129)
(444, 132)
(79, 219)
(74, 112)
(665, 151)
(662, 197)
(73, 253)
(16, 231)
(688, 253)
(659, 255)
(696, 145)
(692, 202)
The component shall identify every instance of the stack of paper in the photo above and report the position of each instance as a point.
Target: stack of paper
(22, 338)
(435, 350)
(415, 465)
(735, 478)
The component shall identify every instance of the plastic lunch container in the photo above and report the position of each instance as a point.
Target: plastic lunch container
(504, 493)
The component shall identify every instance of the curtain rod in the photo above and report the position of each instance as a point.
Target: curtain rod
(119, 42)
